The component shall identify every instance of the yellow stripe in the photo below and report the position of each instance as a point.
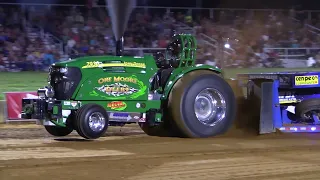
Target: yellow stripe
(136, 65)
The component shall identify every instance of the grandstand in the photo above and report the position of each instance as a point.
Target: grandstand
(37, 35)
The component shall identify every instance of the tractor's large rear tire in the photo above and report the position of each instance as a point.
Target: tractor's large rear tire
(58, 131)
(202, 104)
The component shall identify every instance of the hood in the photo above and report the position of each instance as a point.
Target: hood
(90, 62)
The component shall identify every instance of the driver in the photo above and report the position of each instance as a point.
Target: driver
(172, 55)
(173, 52)
(175, 48)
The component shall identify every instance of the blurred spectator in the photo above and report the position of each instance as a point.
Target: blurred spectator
(87, 31)
(311, 62)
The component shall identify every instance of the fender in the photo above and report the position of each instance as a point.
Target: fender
(180, 72)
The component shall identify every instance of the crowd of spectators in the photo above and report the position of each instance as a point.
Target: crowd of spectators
(18, 51)
(87, 31)
(250, 34)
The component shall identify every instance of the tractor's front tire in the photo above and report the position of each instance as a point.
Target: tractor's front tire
(202, 104)
(91, 121)
(58, 131)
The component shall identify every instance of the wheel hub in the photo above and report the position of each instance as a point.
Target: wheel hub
(209, 106)
(97, 122)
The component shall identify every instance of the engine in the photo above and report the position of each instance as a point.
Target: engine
(64, 81)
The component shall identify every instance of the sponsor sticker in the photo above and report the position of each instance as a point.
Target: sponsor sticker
(117, 105)
(66, 103)
(97, 64)
(142, 120)
(287, 99)
(119, 87)
(120, 116)
(74, 104)
(306, 80)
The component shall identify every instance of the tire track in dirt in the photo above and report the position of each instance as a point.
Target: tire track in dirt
(106, 154)
(55, 152)
(140, 157)
(185, 159)
(31, 131)
(258, 167)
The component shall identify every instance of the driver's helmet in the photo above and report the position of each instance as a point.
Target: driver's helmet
(159, 57)
(174, 48)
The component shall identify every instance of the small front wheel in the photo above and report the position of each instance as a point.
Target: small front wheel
(91, 121)
(58, 131)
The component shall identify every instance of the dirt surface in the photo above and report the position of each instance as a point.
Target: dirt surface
(28, 152)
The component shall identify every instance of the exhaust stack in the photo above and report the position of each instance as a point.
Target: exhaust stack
(119, 12)
(119, 46)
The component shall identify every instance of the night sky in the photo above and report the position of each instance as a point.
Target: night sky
(250, 4)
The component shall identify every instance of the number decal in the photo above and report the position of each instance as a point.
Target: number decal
(93, 64)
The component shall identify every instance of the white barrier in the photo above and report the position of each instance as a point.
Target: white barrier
(293, 57)
(13, 106)
(294, 63)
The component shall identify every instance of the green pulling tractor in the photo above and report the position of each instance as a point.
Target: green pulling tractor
(166, 94)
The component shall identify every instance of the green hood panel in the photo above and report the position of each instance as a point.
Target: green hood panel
(100, 73)
(115, 86)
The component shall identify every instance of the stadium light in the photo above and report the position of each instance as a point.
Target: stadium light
(227, 45)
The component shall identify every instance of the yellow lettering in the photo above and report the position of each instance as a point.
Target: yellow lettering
(116, 89)
(104, 80)
(92, 64)
(124, 79)
(134, 64)
(117, 79)
(95, 64)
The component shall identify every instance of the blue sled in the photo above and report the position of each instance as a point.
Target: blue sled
(279, 93)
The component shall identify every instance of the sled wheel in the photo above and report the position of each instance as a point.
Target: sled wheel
(304, 109)
(202, 104)
(91, 121)
(58, 131)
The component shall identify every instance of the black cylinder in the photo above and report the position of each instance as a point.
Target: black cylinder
(119, 47)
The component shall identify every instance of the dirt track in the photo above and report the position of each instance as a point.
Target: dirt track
(30, 153)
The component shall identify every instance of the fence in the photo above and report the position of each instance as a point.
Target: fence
(294, 57)
(313, 29)
(143, 51)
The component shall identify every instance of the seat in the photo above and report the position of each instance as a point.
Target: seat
(161, 78)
